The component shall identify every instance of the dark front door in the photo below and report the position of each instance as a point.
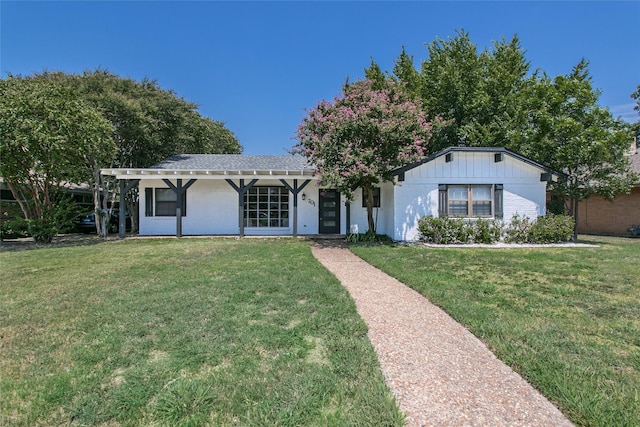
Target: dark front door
(329, 212)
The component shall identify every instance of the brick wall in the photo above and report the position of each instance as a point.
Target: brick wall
(599, 216)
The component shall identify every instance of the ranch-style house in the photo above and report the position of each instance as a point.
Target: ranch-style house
(229, 194)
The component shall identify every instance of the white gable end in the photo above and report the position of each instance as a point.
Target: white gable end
(473, 166)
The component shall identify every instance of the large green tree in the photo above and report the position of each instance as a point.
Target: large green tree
(479, 93)
(148, 124)
(488, 98)
(570, 132)
(50, 138)
(362, 136)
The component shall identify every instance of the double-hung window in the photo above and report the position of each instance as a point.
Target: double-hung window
(162, 202)
(266, 207)
(472, 200)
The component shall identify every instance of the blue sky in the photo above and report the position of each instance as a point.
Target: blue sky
(258, 66)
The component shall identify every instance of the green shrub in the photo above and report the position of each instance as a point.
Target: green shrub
(552, 229)
(54, 219)
(517, 230)
(486, 231)
(545, 229)
(14, 229)
(456, 230)
(445, 230)
(42, 229)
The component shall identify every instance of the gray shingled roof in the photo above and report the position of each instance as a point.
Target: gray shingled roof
(234, 162)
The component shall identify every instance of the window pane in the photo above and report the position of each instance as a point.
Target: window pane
(165, 195)
(148, 202)
(458, 192)
(328, 194)
(165, 202)
(482, 208)
(165, 208)
(481, 192)
(458, 208)
(272, 205)
(376, 198)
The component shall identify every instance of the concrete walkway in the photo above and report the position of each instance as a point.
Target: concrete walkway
(439, 373)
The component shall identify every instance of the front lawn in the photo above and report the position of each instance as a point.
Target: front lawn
(566, 319)
(183, 332)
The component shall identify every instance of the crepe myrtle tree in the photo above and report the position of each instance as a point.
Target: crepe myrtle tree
(49, 138)
(362, 136)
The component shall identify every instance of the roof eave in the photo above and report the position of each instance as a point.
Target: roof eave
(126, 173)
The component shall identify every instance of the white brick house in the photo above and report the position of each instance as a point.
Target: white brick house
(224, 194)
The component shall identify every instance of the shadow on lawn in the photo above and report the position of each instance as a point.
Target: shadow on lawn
(604, 241)
(61, 240)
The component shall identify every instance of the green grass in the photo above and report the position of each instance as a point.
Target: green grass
(166, 332)
(566, 319)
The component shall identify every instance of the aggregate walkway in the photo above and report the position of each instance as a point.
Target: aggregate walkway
(439, 373)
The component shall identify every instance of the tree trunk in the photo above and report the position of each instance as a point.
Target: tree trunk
(132, 209)
(574, 206)
(100, 194)
(131, 203)
(18, 195)
(368, 194)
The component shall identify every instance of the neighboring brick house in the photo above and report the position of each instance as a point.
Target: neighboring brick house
(597, 215)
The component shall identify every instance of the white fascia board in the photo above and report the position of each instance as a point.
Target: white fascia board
(204, 174)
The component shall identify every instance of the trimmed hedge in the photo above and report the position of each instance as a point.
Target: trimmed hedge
(457, 230)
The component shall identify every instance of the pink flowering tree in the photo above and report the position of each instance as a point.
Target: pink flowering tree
(360, 138)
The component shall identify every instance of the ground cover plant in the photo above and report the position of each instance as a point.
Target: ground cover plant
(566, 319)
(183, 332)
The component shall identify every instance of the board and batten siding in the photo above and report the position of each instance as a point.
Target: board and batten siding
(417, 195)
